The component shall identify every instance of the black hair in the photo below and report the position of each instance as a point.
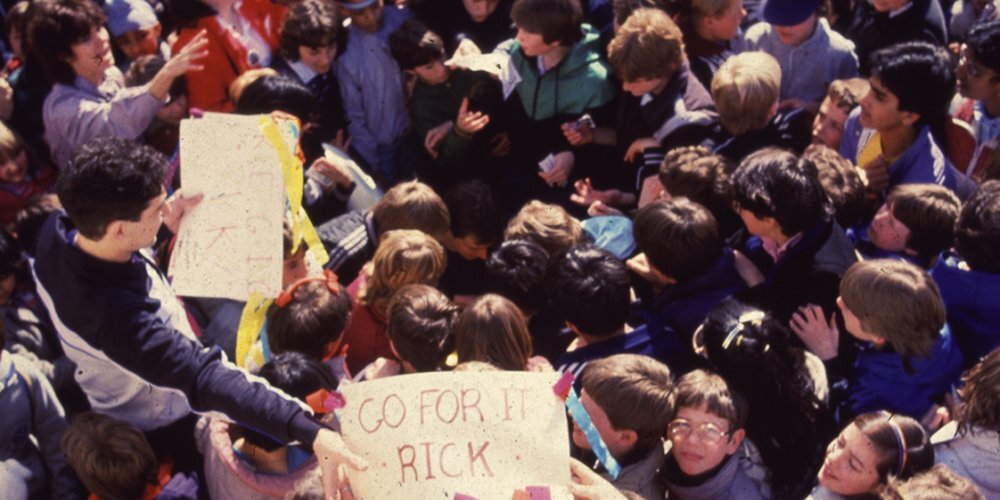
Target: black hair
(774, 183)
(54, 27)
(297, 375)
(278, 93)
(978, 234)
(310, 23)
(787, 422)
(109, 179)
(413, 44)
(589, 287)
(899, 67)
(474, 212)
(983, 41)
(679, 237)
(516, 270)
(13, 261)
(144, 69)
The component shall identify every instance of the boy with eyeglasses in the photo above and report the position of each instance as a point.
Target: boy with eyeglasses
(614, 390)
(709, 457)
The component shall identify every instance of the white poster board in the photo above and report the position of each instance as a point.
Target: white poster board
(435, 435)
(231, 243)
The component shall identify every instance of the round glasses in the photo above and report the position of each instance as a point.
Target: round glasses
(708, 432)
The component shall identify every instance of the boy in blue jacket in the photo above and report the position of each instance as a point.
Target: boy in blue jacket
(969, 275)
(908, 358)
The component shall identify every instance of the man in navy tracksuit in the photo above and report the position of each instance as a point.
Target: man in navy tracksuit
(120, 322)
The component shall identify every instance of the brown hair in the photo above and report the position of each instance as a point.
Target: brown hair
(556, 20)
(980, 395)
(930, 212)
(840, 181)
(309, 23)
(680, 238)
(703, 388)
(315, 318)
(493, 330)
(551, 226)
(112, 458)
(884, 430)
(420, 322)
(634, 390)
(648, 46)
(745, 89)
(846, 94)
(412, 205)
(403, 257)
(897, 301)
(937, 483)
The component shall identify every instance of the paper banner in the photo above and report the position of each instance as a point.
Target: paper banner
(230, 244)
(435, 435)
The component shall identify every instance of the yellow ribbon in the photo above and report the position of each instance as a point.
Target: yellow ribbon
(251, 322)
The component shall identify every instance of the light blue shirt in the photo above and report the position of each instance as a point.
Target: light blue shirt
(371, 85)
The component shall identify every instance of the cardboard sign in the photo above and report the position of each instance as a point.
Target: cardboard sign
(435, 435)
(230, 244)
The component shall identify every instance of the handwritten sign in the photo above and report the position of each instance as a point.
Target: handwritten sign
(230, 244)
(435, 435)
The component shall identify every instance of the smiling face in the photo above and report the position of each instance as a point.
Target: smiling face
(92, 57)
(318, 59)
(691, 450)
(13, 169)
(850, 465)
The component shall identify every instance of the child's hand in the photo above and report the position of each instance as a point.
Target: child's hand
(578, 135)
(175, 208)
(935, 418)
(435, 137)
(876, 172)
(6, 99)
(335, 170)
(560, 172)
(820, 336)
(598, 208)
(382, 368)
(470, 123)
(539, 364)
(652, 191)
(182, 62)
(339, 142)
(640, 265)
(501, 145)
(586, 194)
(332, 454)
(589, 485)
(639, 146)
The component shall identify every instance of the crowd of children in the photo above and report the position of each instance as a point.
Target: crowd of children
(763, 236)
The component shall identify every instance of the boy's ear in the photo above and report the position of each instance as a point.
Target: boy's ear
(735, 440)
(909, 117)
(116, 229)
(410, 72)
(879, 341)
(627, 437)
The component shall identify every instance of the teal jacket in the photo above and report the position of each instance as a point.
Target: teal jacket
(578, 84)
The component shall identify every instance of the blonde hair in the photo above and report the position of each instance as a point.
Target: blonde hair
(745, 89)
(404, 257)
(551, 226)
(493, 330)
(11, 144)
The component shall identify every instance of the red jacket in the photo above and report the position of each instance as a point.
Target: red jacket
(227, 57)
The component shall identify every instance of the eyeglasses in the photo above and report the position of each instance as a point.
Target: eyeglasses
(708, 432)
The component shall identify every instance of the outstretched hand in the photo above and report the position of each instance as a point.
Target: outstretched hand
(820, 336)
